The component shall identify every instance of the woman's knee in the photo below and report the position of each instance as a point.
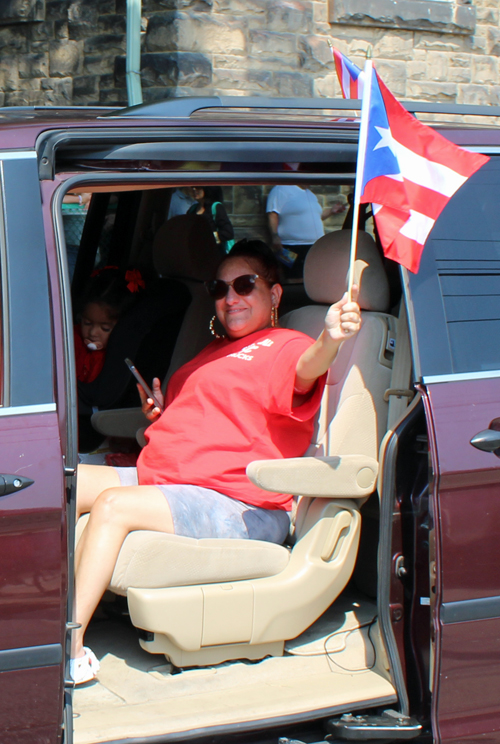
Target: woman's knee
(108, 506)
(92, 480)
(133, 508)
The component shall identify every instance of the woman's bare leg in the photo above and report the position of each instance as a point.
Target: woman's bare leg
(91, 481)
(115, 513)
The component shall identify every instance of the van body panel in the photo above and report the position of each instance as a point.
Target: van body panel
(33, 579)
(467, 527)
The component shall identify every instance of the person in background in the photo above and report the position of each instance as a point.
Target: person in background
(209, 205)
(180, 202)
(296, 221)
(81, 200)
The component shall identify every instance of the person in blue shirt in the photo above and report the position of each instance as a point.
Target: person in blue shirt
(180, 202)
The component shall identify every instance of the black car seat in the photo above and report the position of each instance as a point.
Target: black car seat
(147, 334)
(184, 251)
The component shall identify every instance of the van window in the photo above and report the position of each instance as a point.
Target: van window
(2, 355)
(457, 290)
(27, 353)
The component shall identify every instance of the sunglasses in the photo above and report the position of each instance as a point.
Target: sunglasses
(242, 285)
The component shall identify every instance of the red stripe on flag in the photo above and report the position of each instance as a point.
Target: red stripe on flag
(404, 195)
(406, 252)
(353, 87)
(385, 190)
(395, 245)
(426, 201)
(389, 223)
(338, 66)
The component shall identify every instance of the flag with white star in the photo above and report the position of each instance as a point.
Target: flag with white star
(410, 173)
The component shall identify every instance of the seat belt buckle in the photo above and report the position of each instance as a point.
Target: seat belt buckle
(390, 344)
(399, 393)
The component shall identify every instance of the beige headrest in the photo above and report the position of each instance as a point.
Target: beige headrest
(185, 247)
(327, 264)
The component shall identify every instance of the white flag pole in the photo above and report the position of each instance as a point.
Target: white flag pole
(360, 167)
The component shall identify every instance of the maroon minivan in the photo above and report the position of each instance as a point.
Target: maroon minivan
(407, 646)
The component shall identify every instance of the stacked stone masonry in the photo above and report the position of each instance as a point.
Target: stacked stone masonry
(65, 52)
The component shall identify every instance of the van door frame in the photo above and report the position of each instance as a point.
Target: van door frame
(54, 193)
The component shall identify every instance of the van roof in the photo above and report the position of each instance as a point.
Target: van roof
(461, 123)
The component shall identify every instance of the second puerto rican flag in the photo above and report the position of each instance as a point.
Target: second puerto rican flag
(410, 171)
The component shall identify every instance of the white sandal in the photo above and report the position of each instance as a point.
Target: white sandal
(84, 668)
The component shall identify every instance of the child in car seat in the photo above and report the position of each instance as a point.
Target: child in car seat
(108, 294)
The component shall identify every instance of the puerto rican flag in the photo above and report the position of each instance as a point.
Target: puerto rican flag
(350, 76)
(410, 172)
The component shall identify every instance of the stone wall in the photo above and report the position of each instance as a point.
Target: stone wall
(63, 52)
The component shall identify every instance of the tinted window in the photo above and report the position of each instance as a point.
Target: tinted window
(28, 379)
(457, 291)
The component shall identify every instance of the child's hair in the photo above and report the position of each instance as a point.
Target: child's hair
(111, 288)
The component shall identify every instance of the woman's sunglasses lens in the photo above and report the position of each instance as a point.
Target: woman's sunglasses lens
(217, 289)
(243, 285)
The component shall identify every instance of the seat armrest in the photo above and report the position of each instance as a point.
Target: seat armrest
(345, 476)
(119, 422)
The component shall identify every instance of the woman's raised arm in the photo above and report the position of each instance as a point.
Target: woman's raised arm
(342, 321)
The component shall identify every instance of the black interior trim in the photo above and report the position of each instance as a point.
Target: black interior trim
(237, 152)
(467, 610)
(58, 142)
(14, 659)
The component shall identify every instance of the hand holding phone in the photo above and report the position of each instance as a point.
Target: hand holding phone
(142, 382)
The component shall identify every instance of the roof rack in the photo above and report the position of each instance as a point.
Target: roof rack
(10, 109)
(186, 106)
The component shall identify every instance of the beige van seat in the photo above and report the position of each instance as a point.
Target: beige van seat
(206, 601)
(184, 248)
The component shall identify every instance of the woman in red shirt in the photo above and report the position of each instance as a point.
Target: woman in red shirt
(251, 394)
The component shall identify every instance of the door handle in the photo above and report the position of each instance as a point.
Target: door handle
(487, 440)
(13, 483)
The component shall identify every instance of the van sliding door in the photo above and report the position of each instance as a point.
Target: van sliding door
(32, 535)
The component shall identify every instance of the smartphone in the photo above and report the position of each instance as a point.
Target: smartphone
(142, 382)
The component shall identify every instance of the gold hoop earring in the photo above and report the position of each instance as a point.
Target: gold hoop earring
(212, 329)
(274, 316)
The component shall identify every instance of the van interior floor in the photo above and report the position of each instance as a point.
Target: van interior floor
(334, 666)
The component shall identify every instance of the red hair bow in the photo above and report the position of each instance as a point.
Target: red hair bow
(135, 280)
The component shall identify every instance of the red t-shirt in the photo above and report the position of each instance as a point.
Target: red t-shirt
(88, 363)
(230, 405)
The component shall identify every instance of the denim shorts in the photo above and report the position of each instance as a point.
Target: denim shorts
(201, 512)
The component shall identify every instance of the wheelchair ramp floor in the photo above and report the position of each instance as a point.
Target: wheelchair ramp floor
(332, 666)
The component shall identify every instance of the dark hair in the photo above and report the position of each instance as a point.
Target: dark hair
(111, 288)
(212, 194)
(259, 255)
